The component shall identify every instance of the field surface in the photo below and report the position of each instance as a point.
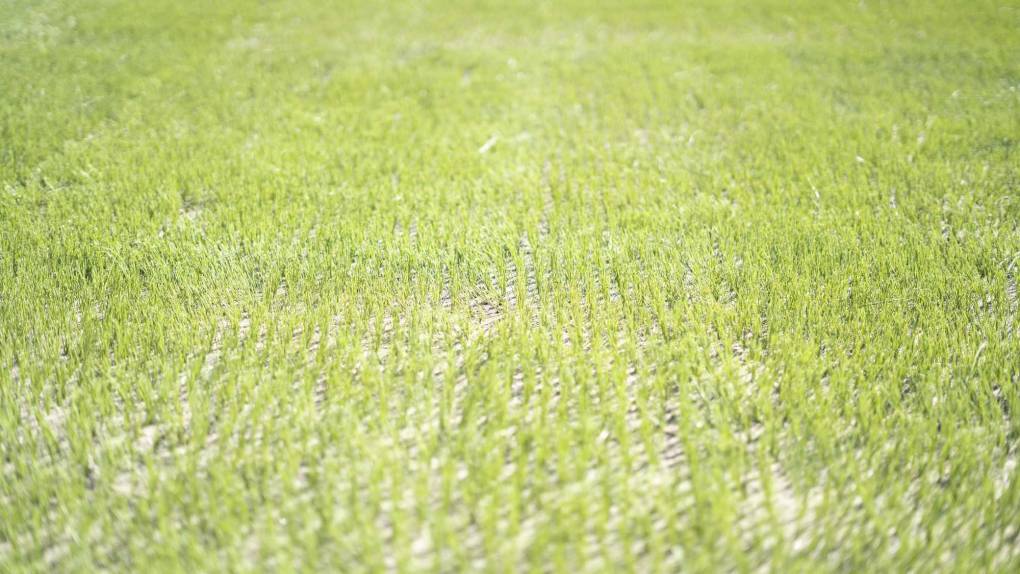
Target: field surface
(505, 287)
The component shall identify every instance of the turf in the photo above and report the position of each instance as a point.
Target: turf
(495, 286)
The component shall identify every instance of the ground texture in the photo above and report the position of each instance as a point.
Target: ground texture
(495, 286)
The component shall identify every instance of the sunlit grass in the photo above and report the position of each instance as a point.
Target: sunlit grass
(557, 287)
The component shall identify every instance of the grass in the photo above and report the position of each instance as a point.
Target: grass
(445, 286)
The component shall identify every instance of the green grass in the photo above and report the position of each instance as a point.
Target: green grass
(436, 286)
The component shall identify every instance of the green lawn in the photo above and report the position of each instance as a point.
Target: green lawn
(503, 286)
